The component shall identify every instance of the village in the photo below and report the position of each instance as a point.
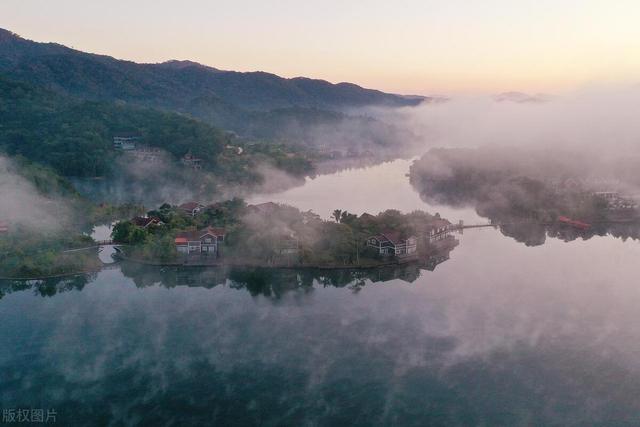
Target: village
(271, 234)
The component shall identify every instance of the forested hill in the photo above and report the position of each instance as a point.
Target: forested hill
(74, 137)
(177, 85)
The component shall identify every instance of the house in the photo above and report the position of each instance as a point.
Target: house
(438, 230)
(125, 142)
(191, 161)
(205, 242)
(4, 227)
(191, 208)
(145, 153)
(288, 245)
(615, 201)
(146, 222)
(391, 243)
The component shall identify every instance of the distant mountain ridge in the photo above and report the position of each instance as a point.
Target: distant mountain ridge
(177, 85)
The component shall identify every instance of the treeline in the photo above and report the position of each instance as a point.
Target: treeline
(263, 235)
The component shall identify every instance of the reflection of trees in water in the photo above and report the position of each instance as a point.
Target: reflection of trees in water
(526, 209)
(273, 283)
(536, 234)
(47, 287)
(268, 282)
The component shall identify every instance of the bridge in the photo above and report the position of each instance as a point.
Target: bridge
(98, 244)
(104, 242)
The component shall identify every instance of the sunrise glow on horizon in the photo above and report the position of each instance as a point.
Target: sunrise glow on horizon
(420, 47)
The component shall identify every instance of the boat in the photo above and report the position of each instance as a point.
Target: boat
(580, 225)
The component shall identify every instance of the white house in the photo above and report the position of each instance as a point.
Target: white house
(206, 242)
(438, 230)
(390, 243)
(125, 142)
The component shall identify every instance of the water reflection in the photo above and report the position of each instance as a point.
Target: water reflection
(519, 225)
(500, 334)
(47, 287)
(267, 282)
(536, 234)
(528, 340)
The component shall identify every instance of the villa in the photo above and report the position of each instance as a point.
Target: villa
(438, 230)
(288, 245)
(125, 142)
(391, 243)
(191, 161)
(204, 242)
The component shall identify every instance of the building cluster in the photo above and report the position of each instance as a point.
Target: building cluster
(132, 145)
(617, 202)
(210, 240)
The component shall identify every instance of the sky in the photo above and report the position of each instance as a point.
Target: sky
(421, 47)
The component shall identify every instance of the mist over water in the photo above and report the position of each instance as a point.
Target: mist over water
(499, 334)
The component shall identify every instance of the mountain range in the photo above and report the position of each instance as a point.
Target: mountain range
(227, 99)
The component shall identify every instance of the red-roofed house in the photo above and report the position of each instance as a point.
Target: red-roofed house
(4, 227)
(391, 243)
(206, 241)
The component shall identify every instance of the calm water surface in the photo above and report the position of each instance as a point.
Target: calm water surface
(499, 334)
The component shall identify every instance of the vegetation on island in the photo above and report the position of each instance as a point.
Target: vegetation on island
(43, 217)
(271, 234)
(60, 110)
(532, 194)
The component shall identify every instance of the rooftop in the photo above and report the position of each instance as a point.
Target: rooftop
(194, 235)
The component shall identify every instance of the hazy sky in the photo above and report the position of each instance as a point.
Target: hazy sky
(417, 46)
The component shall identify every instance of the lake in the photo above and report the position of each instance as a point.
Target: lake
(492, 333)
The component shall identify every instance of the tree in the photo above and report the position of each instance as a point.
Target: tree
(121, 231)
(337, 214)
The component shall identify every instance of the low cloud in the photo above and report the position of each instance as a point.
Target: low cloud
(22, 205)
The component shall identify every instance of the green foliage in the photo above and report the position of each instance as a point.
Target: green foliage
(29, 253)
(75, 137)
